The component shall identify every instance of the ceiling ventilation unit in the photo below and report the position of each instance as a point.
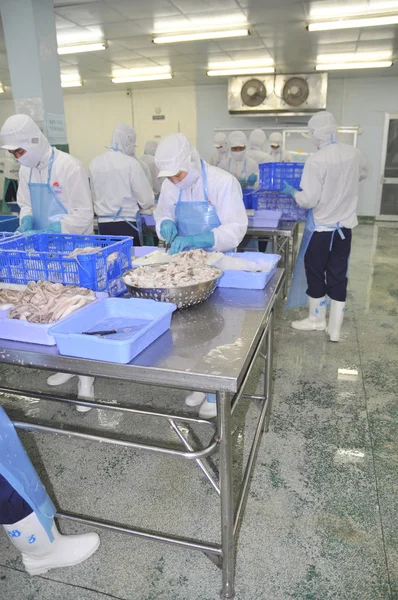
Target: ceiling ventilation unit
(273, 95)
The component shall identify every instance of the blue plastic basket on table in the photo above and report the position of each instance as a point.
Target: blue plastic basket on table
(47, 256)
(291, 211)
(273, 175)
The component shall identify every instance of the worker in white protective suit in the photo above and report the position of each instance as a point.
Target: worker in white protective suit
(200, 206)
(276, 151)
(220, 149)
(53, 192)
(120, 187)
(245, 169)
(27, 512)
(330, 190)
(256, 150)
(54, 197)
(149, 159)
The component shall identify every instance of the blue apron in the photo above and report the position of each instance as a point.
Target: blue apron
(297, 293)
(46, 208)
(16, 468)
(194, 218)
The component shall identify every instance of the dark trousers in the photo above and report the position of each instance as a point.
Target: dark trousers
(13, 507)
(118, 228)
(325, 267)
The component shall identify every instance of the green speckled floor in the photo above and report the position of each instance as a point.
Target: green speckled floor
(321, 521)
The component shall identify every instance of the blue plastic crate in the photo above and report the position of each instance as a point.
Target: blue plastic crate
(6, 235)
(273, 175)
(46, 256)
(147, 318)
(246, 280)
(291, 211)
(9, 223)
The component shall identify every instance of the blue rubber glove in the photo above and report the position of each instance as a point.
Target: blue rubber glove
(289, 190)
(168, 231)
(243, 183)
(26, 224)
(53, 228)
(251, 180)
(187, 242)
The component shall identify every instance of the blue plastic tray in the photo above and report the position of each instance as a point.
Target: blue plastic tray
(265, 218)
(273, 175)
(32, 333)
(9, 223)
(247, 280)
(26, 258)
(149, 320)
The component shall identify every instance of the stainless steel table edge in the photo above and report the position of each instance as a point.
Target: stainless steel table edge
(222, 555)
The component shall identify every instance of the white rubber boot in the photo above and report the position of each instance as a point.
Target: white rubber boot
(195, 399)
(85, 391)
(59, 378)
(336, 318)
(208, 410)
(39, 554)
(316, 320)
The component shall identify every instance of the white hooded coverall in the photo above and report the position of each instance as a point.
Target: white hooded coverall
(175, 154)
(68, 178)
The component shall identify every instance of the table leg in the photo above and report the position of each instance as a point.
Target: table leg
(286, 266)
(227, 503)
(269, 373)
(274, 244)
(294, 245)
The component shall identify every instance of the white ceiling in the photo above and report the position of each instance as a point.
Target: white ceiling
(278, 30)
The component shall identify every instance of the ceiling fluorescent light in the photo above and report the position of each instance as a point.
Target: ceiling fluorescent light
(72, 83)
(353, 65)
(353, 23)
(137, 78)
(243, 64)
(354, 57)
(200, 35)
(91, 47)
(253, 71)
(2, 90)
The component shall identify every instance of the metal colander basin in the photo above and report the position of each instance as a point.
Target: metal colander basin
(187, 295)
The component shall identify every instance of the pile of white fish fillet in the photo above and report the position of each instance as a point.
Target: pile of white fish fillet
(187, 268)
(45, 302)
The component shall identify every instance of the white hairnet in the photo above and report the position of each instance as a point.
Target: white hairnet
(276, 139)
(150, 147)
(323, 128)
(174, 153)
(257, 139)
(237, 138)
(220, 140)
(20, 131)
(124, 138)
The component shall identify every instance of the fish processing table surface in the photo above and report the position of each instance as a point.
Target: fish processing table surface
(212, 347)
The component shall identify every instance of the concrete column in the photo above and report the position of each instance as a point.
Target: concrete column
(31, 44)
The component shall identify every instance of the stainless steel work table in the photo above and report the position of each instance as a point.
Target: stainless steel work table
(212, 347)
(280, 237)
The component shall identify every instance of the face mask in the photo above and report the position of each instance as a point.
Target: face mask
(189, 180)
(29, 159)
(238, 156)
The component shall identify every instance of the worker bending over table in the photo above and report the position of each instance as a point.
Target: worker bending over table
(200, 206)
(27, 512)
(54, 197)
(330, 191)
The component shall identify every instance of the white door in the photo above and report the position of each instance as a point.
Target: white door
(388, 204)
